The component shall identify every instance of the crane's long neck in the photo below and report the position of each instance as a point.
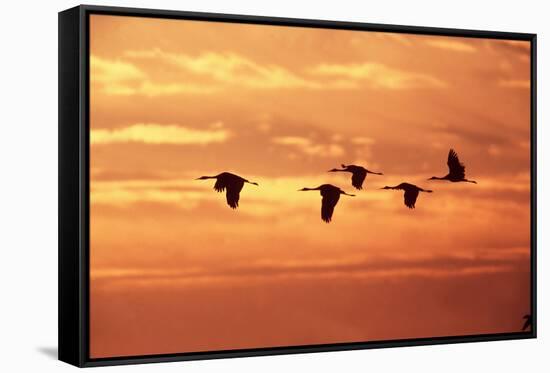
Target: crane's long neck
(375, 173)
(207, 177)
(307, 189)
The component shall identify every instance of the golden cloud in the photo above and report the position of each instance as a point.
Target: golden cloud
(351, 267)
(151, 133)
(276, 193)
(451, 45)
(308, 147)
(379, 76)
(121, 78)
(113, 71)
(230, 68)
(150, 89)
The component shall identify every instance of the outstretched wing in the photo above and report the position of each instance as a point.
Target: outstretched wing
(233, 193)
(329, 201)
(220, 185)
(410, 197)
(358, 177)
(456, 169)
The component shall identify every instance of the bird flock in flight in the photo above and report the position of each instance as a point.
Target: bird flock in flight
(233, 184)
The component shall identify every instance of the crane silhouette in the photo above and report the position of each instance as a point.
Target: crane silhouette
(411, 192)
(528, 322)
(331, 195)
(359, 174)
(457, 170)
(231, 183)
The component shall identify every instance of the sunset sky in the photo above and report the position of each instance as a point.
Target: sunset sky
(174, 269)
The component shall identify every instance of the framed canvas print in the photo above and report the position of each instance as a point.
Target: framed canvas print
(238, 186)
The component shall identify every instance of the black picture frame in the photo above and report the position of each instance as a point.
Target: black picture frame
(74, 183)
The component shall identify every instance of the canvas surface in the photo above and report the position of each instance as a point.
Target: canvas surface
(173, 268)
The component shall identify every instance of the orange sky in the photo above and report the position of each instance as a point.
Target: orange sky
(174, 269)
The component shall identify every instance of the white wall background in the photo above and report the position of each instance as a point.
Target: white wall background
(28, 185)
